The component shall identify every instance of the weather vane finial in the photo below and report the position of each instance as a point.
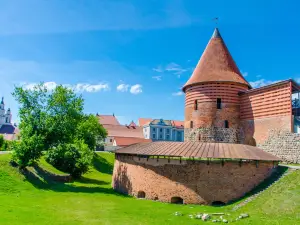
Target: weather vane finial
(216, 20)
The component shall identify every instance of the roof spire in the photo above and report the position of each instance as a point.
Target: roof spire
(2, 101)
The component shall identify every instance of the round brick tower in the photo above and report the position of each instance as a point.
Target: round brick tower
(211, 95)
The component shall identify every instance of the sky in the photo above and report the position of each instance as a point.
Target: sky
(131, 58)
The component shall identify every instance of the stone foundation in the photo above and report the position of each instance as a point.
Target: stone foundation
(212, 134)
(196, 182)
(283, 144)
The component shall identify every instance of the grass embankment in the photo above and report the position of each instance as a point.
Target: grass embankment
(90, 200)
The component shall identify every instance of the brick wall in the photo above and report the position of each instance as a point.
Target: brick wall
(285, 145)
(212, 134)
(255, 132)
(193, 181)
(207, 114)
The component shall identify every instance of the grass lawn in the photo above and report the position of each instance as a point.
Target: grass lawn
(90, 200)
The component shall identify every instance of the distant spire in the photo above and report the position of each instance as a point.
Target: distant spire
(113, 114)
(2, 101)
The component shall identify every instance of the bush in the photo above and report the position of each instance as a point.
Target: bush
(7, 145)
(74, 159)
(1, 142)
(27, 151)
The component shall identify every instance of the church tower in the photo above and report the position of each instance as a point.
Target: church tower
(212, 103)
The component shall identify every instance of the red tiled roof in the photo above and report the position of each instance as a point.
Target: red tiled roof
(108, 119)
(144, 121)
(198, 150)
(178, 123)
(123, 131)
(126, 141)
(132, 124)
(216, 64)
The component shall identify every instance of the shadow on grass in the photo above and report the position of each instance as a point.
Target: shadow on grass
(102, 165)
(276, 175)
(40, 182)
(86, 180)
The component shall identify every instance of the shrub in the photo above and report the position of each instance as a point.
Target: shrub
(1, 142)
(27, 151)
(74, 159)
(7, 145)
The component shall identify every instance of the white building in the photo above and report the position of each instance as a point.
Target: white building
(5, 117)
(7, 129)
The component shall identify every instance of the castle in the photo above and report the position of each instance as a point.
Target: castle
(225, 120)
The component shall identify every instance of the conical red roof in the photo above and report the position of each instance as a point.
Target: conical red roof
(216, 64)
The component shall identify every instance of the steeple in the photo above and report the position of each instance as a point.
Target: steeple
(216, 64)
(2, 101)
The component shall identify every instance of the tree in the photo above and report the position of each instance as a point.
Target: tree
(55, 122)
(1, 141)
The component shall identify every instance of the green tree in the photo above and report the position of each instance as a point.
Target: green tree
(55, 122)
(91, 131)
(1, 141)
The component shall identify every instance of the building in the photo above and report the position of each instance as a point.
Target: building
(7, 129)
(224, 119)
(120, 135)
(162, 130)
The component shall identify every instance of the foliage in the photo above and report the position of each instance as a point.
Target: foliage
(28, 150)
(7, 145)
(1, 141)
(55, 122)
(90, 128)
(71, 158)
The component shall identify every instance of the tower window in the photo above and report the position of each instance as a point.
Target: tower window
(195, 105)
(191, 124)
(226, 124)
(219, 102)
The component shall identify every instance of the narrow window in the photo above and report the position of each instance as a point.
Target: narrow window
(226, 124)
(191, 124)
(153, 136)
(160, 130)
(219, 102)
(195, 105)
(153, 129)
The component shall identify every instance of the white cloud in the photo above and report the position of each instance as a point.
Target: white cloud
(158, 78)
(80, 87)
(172, 68)
(136, 89)
(261, 83)
(298, 80)
(258, 76)
(123, 87)
(179, 93)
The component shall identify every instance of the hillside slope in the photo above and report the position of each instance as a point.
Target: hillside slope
(37, 200)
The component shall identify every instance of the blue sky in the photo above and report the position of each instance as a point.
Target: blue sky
(132, 57)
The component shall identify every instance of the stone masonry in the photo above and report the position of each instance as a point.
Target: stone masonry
(212, 134)
(196, 182)
(283, 144)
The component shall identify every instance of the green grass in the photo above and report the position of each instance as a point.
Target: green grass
(35, 200)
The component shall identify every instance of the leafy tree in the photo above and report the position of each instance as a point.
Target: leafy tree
(91, 131)
(1, 142)
(54, 122)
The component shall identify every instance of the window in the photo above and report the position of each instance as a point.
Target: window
(219, 103)
(141, 194)
(195, 105)
(111, 140)
(153, 129)
(160, 136)
(153, 136)
(168, 137)
(160, 130)
(191, 124)
(226, 124)
(167, 131)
